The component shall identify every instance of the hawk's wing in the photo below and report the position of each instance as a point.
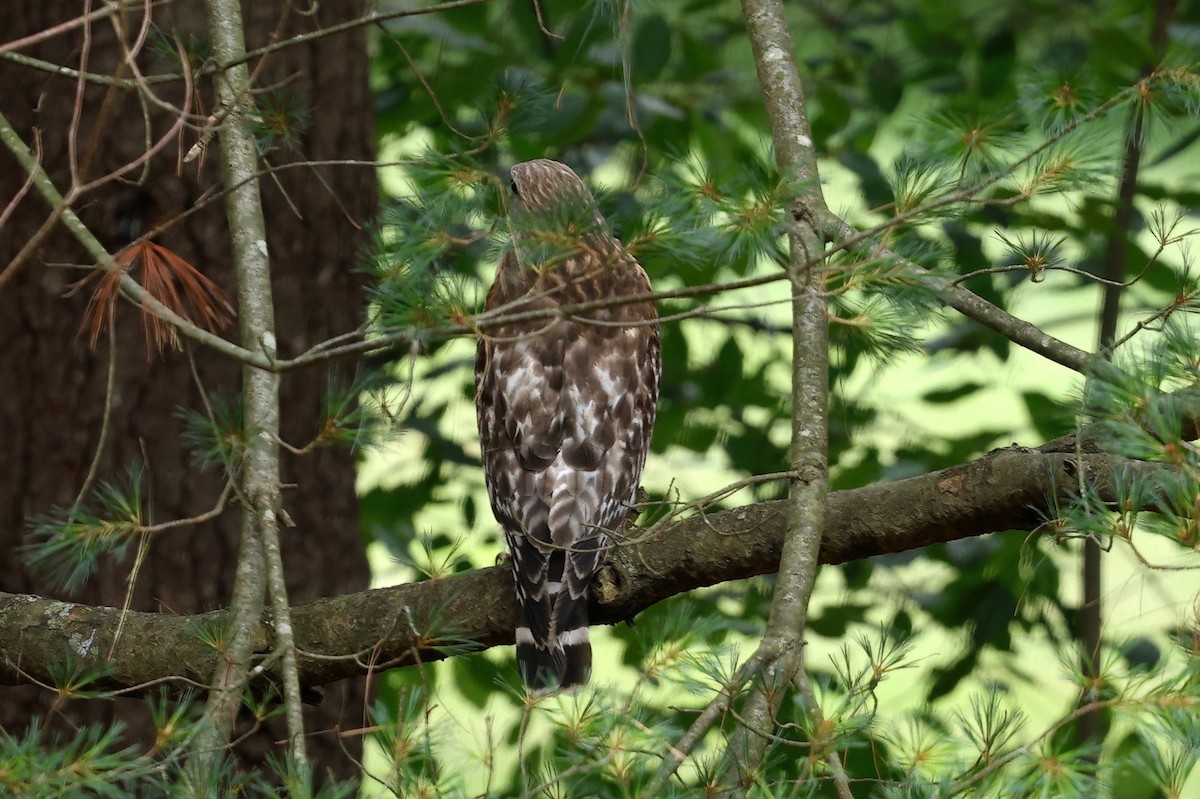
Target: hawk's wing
(565, 409)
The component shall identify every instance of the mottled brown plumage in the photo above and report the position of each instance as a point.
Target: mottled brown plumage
(565, 407)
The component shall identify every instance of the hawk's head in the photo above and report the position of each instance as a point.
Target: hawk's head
(544, 186)
(554, 209)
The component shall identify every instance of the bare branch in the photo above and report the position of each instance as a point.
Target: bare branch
(129, 287)
(782, 646)
(259, 568)
(71, 24)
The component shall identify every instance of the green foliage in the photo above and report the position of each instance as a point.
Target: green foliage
(407, 735)
(172, 50)
(607, 742)
(424, 249)
(217, 436)
(1141, 408)
(92, 763)
(1000, 113)
(282, 117)
(66, 544)
(348, 417)
(74, 681)
(981, 141)
(173, 717)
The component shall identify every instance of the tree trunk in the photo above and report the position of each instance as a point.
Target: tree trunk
(53, 386)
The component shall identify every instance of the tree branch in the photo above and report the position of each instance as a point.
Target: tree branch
(782, 645)
(1091, 729)
(129, 287)
(259, 567)
(968, 303)
(338, 637)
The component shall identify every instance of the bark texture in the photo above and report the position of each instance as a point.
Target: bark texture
(1010, 489)
(54, 386)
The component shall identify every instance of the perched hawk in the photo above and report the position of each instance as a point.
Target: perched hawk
(565, 405)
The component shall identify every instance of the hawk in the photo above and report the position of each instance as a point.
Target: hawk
(565, 405)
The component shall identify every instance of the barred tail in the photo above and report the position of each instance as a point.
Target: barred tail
(555, 656)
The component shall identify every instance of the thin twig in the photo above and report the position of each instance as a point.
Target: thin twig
(63, 27)
(537, 10)
(70, 72)
(191, 521)
(25, 187)
(717, 707)
(105, 417)
(129, 287)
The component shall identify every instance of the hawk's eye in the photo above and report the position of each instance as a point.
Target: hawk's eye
(513, 185)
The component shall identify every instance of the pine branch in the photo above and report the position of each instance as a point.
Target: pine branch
(129, 287)
(845, 237)
(966, 302)
(339, 637)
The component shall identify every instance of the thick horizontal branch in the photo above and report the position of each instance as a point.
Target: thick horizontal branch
(1009, 489)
